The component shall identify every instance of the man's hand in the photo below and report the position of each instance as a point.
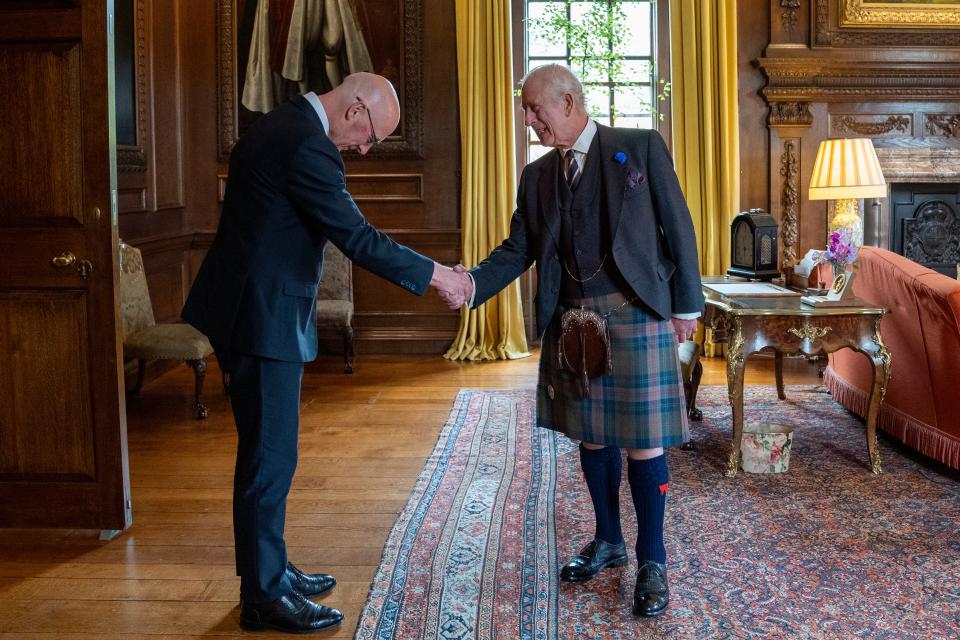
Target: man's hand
(684, 328)
(454, 285)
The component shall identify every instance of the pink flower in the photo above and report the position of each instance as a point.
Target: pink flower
(840, 250)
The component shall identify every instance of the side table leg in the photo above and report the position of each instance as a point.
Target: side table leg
(735, 367)
(881, 360)
(778, 368)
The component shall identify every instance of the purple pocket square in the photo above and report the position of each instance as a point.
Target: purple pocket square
(634, 179)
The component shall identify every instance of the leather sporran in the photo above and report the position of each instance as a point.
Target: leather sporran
(584, 348)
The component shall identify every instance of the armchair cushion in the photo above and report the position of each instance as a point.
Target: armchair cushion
(338, 313)
(167, 341)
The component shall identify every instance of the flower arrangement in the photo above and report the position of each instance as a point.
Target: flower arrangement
(840, 251)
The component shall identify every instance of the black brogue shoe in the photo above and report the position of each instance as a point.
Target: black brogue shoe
(651, 595)
(309, 584)
(595, 557)
(292, 613)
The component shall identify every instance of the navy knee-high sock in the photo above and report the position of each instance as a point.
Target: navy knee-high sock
(601, 469)
(648, 485)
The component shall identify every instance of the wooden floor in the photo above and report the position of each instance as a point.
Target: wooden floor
(364, 438)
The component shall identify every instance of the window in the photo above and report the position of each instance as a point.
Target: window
(623, 92)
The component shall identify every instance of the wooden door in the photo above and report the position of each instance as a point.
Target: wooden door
(63, 458)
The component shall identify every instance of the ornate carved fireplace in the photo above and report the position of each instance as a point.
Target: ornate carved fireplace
(924, 224)
(898, 84)
(921, 217)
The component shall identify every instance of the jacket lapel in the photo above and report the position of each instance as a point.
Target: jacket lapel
(547, 187)
(614, 176)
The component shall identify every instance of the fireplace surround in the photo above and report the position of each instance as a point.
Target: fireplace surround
(920, 217)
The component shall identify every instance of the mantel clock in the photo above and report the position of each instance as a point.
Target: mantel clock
(753, 245)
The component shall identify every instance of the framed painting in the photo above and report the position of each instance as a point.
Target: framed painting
(269, 51)
(900, 14)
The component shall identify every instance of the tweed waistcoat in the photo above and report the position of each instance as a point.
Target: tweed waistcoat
(585, 239)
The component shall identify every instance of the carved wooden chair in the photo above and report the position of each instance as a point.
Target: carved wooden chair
(335, 300)
(145, 340)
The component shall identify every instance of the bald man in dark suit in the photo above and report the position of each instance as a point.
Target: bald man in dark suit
(255, 298)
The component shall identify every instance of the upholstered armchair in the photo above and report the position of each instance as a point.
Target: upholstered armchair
(144, 339)
(335, 300)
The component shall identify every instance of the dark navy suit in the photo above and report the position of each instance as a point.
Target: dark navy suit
(255, 298)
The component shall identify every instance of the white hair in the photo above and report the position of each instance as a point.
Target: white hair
(559, 80)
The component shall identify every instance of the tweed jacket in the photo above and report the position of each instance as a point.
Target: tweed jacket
(654, 244)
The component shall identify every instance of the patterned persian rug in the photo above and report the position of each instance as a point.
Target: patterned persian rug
(825, 550)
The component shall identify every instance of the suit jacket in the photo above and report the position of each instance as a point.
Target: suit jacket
(654, 244)
(286, 197)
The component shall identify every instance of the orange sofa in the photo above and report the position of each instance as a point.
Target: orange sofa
(922, 404)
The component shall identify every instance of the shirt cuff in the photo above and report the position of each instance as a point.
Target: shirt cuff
(473, 291)
(687, 316)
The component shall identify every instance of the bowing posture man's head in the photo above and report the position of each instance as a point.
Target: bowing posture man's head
(363, 110)
(553, 105)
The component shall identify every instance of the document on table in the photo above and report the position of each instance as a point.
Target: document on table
(750, 290)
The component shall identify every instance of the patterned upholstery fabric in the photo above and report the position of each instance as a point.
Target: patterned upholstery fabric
(337, 280)
(167, 341)
(335, 299)
(136, 312)
(142, 336)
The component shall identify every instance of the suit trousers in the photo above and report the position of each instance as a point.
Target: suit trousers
(265, 395)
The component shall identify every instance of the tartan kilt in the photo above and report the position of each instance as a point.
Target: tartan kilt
(640, 405)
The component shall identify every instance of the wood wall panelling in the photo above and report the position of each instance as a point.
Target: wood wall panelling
(386, 187)
(165, 194)
(167, 106)
(134, 172)
(753, 36)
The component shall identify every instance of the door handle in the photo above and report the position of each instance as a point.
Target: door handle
(65, 259)
(68, 259)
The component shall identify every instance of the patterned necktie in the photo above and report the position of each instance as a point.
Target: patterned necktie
(571, 169)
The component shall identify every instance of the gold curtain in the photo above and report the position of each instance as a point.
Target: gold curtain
(485, 83)
(706, 147)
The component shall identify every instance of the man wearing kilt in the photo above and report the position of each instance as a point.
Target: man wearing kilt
(605, 221)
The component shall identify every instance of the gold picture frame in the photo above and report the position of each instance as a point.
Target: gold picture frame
(900, 14)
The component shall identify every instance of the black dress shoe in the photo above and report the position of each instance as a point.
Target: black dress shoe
(292, 613)
(651, 595)
(309, 584)
(594, 557)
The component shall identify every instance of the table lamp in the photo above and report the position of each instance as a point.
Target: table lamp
(846, 170)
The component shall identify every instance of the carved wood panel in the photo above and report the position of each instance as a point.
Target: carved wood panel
(44, 334)
(41, 146)
(790, 202)
(871, 125)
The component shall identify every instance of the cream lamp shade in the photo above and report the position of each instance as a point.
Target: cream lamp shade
(846, 170)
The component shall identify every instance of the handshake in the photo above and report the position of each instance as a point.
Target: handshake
(455, 285)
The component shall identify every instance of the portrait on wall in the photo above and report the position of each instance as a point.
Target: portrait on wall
(282, 48)
(902, 14)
